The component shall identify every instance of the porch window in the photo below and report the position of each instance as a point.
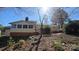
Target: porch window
(19, 26)
(24, 26)
(30, 26)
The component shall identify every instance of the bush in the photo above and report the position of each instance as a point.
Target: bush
(22, 43)
(72, 28)
(3, 41)
(10, 42)
(46, 30)
(17, 38)
(58, 46)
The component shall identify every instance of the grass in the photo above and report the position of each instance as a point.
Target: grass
(57, 45)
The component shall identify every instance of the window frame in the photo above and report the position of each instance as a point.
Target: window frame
(19, 26)
(25, 26)
(30, 26)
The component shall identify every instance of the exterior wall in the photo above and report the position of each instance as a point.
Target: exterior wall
(23, 31)
(54, 28)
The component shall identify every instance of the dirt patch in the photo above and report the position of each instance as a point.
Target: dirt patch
(54, 42)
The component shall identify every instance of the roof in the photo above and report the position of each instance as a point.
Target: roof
(22, 21)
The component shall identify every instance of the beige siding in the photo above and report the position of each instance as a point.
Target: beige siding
(54, 28)
(22, 30)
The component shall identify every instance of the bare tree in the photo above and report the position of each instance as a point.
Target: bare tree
(59, 16)
(41, 27)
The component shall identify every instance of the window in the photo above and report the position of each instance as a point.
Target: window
(19, 26)
(24, 26)
(30, 26)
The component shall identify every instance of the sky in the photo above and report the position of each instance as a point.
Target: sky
(11, 14)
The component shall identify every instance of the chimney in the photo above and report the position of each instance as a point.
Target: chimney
(26, 19)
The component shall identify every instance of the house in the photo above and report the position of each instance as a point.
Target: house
(55, 28)
(23, 28)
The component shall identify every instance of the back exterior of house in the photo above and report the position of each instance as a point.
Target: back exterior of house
(23, 28)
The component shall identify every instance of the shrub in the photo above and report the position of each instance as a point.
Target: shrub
(58, 46)
(11, 42)
(3, 41)
(17, 38)
(72, 28)
(46, 30)
(22, 43)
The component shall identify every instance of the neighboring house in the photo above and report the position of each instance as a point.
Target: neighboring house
(54, 28)
(23, 28)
